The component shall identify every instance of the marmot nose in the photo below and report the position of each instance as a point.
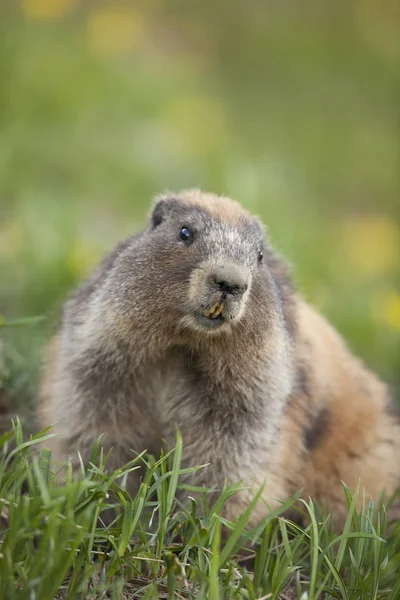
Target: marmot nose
(230, 279)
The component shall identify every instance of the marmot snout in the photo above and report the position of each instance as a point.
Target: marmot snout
(195, 323)
(217, 294)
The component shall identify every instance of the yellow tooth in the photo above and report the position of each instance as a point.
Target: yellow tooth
(218, 311)
(210, 313)
(215, 311)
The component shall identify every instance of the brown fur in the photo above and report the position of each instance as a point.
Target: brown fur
(220, 207)
(273, 395)
(345, 409)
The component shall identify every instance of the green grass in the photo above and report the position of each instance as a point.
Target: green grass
(53, 546)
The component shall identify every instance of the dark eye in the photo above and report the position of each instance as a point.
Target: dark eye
(185, 234)
(260, 256)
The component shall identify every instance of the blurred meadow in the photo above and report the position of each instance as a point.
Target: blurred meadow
(289, 107)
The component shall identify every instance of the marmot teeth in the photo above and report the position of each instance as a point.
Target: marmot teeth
(215, 311)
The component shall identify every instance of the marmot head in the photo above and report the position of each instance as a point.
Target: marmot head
(201, 267)
(218, 250)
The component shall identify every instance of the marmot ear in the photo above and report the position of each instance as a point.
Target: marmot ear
(162, 208)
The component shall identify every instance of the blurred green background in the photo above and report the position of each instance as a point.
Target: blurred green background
(290, 107)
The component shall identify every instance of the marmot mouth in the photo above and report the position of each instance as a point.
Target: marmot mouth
(215, 312)
(210, 323)
(214, 317)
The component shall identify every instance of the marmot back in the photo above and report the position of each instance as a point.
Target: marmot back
(195, 323)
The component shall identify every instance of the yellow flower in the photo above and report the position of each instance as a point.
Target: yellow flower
(114, 30)
(385, 308)
(46, 9)
(392, 310)
(372, 244)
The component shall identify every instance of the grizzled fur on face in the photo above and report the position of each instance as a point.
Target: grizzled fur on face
(216, 259)
(200, 268)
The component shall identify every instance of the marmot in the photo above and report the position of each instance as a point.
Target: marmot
(195, 322)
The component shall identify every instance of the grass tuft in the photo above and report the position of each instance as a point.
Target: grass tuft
(53, 546)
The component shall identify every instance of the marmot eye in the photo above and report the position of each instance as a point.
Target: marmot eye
(260, 256)
(185, 234)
